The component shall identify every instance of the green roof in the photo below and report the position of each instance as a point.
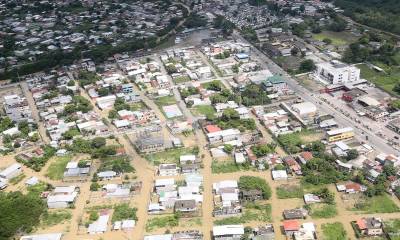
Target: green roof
(275, 79)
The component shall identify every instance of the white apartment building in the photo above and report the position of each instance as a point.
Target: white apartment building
(336, 72)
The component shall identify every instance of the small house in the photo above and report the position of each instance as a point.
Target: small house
(170, 169)
(297, 213)
(370, 226)
(11, 171)
(290, 227)
(224, 232)
(185, 206)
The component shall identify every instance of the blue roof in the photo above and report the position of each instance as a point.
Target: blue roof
(242, 55)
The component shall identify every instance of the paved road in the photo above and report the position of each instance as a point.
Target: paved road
(375, 141)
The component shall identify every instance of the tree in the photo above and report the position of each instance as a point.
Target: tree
(352, 154)
(327, 40)
(262, 149)
(228, 148)
(19, 213)
(214, 85)
(307, 66)
(94, 186)
(396, 88)
(103, 91)
(171, 68)
(98, 142)
(255, 183)
(5, 124)
(229, 114)
(395, 104)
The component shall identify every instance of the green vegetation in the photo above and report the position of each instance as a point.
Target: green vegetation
(57, 168)
(165, 101)
(323, 210)
(383, 15)
(181, 79)
(161, 222)
(86, 78)
(215, 85)
(225, 25)
(170, 155)
(376, 204)
(123, 212)
(252, 212)
(229, 167)
(338, 39)
(333, 231)
(319, 171)
(306, 66)
(386, 81)
(288, 191)
(36, 163)
(255, 183)
(263, 149)
(230, 119)
(17, 179)
(392, 228)
(290, 142)
(6, 123)
(203, 110)
(79, 104)
(55, 217)
(118, 164)
(19, 213)
(39, 188)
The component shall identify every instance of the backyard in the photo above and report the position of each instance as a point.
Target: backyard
(203, 110)
(376, 204)
(333, 231)
(57, 167)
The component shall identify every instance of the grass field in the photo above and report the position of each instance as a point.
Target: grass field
(377, 204)
(287, 191)
(338, 38)
(57, 168)
(169, 156)
(17, 179)
(333, 231)
(138, 106)
(203, 110)
(383, 80)
(323, 211)
(252, 212)
(55, 217)
(392, 227)
(181, 79)
(165, 101)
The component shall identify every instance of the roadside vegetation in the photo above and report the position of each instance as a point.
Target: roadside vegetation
(333, 231)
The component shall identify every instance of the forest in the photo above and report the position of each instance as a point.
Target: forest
(381, 14)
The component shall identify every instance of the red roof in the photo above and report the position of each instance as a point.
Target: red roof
(355, 186)
(291, 225)
(361, 224)
(212, 128)
(306, 155)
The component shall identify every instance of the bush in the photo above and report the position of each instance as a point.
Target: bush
(94, 186)
(251, 183)
(123, 211)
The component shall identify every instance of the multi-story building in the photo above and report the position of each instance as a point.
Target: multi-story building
(337, 73)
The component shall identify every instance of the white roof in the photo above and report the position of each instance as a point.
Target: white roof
(369, 100)
(128, 224)
(309, 226)
(121, 123)
(304, 108)
(68, 189)
(72, 165)
(11, 131)
(228, 230)
(229, 197)
(100, 225)
(32, 181)
(9, 170)
(279, 174)
(48, 236)
(339, 131)
(106, 174)
(343, 146)
(185, 158)
(239, 158)
(227, 132)
(68, 198)
(159, 237)
(225, 184)
(164, 182)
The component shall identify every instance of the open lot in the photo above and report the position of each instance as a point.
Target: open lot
(383, 80)
(338, 38)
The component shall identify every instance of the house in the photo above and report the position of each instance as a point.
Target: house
(185, 206)
(190, 168)
(292, 164)
(279, 175)
(290, 227)
(306, 232)
(350, 187)
(304, 157)
(370, 226)
(266, 232)
(228, 232)
(99, 226)
(74, 170)
(170, 169)
(112, 190)
(62, 197)
(297, 213)
(11, 171)
(311, 198)
(106, 175)
(223, 136)
(159, 237)
(251, 195)
(275, 84)
(150, 144)
(46, 236)
(187, 159)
